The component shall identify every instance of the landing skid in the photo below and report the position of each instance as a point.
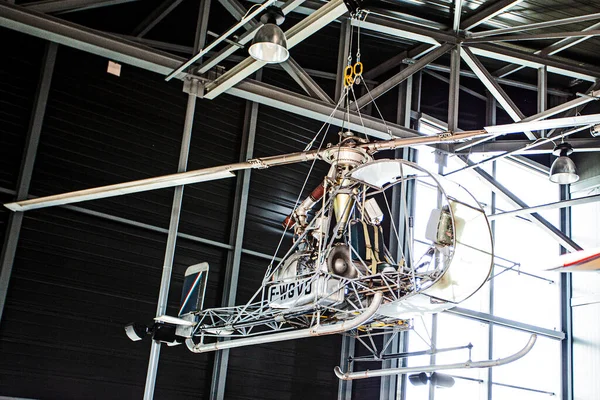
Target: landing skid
(348, 376)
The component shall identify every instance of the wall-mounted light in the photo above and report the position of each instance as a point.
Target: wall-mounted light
(563, 169)
(269, 44)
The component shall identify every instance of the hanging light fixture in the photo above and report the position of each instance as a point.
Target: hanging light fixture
(563, 169)
(269, 44)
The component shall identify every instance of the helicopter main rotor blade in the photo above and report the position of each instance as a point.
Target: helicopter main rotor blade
(159, 182)
(220, 172)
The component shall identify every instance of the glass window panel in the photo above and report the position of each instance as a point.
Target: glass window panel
(540, 369)
(455, 331)
(587, 235)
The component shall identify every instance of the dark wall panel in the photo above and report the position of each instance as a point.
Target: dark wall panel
(19, 72)
(296, 369)
(77, 281)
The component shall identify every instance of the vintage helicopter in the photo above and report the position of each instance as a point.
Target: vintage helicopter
(353, 268)
(339, 276)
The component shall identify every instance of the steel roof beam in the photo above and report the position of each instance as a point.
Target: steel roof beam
(461, 87)
(503, 81)
(393, 27)
(414, 53)
(500, 146)
(64, 6)
(304, 80)
(403, 75)
(306, 106)
(514, 56)
(550, 206)
(305, 28)
(537, 25)
(456, 15)
(486, 12)
(554, 48)
(155, 17)
(81, 38)
(494, 88)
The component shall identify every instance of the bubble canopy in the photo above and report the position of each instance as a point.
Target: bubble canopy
(459, 256)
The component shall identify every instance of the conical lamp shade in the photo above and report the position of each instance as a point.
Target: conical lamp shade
(563, 171)
(269, 45)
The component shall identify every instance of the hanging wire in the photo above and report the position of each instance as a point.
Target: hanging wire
(389, 132)
(325, 124)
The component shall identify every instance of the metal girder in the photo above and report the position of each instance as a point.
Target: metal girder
(393, 27)
(348, 347)
(537, 25)
(403, 75)
(318, 110)
(454, 89)
(165, 281)
(238, 11)
(305, 28)
(50, 28)
(534, 36)
(305, 81)
(579, 145)
(176, 48)
(494, 88)
(488, 11)
(157, 15)
(550, 206)
(15, 220)
(517, 202)
(542, 98)
(503, 81)
(554, 48)
(456, 15)
(515, 56)
(414, 53)
(236, 239)
(85, 39)
(62, 6)
(343, 54)
(461, 87)
(488, 318)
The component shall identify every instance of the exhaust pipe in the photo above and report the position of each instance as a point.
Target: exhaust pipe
(348, 376)
(318, 330)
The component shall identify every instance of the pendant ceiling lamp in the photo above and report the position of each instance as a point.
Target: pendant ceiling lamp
(563, 169)
(269, 44)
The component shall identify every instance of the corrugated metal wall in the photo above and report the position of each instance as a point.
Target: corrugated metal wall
(78, 279)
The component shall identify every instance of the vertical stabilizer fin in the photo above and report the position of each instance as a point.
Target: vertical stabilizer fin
(194, 287)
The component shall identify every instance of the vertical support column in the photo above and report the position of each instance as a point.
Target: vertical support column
(490, 120)
(409, 154)
(165, 281)
(566, 316)
(441, 160)
(389, 386)
(542, 94)
(219, 376)
(454, 89)
(348, 342)
(343, 52)
(15, 219)
(345, 387)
